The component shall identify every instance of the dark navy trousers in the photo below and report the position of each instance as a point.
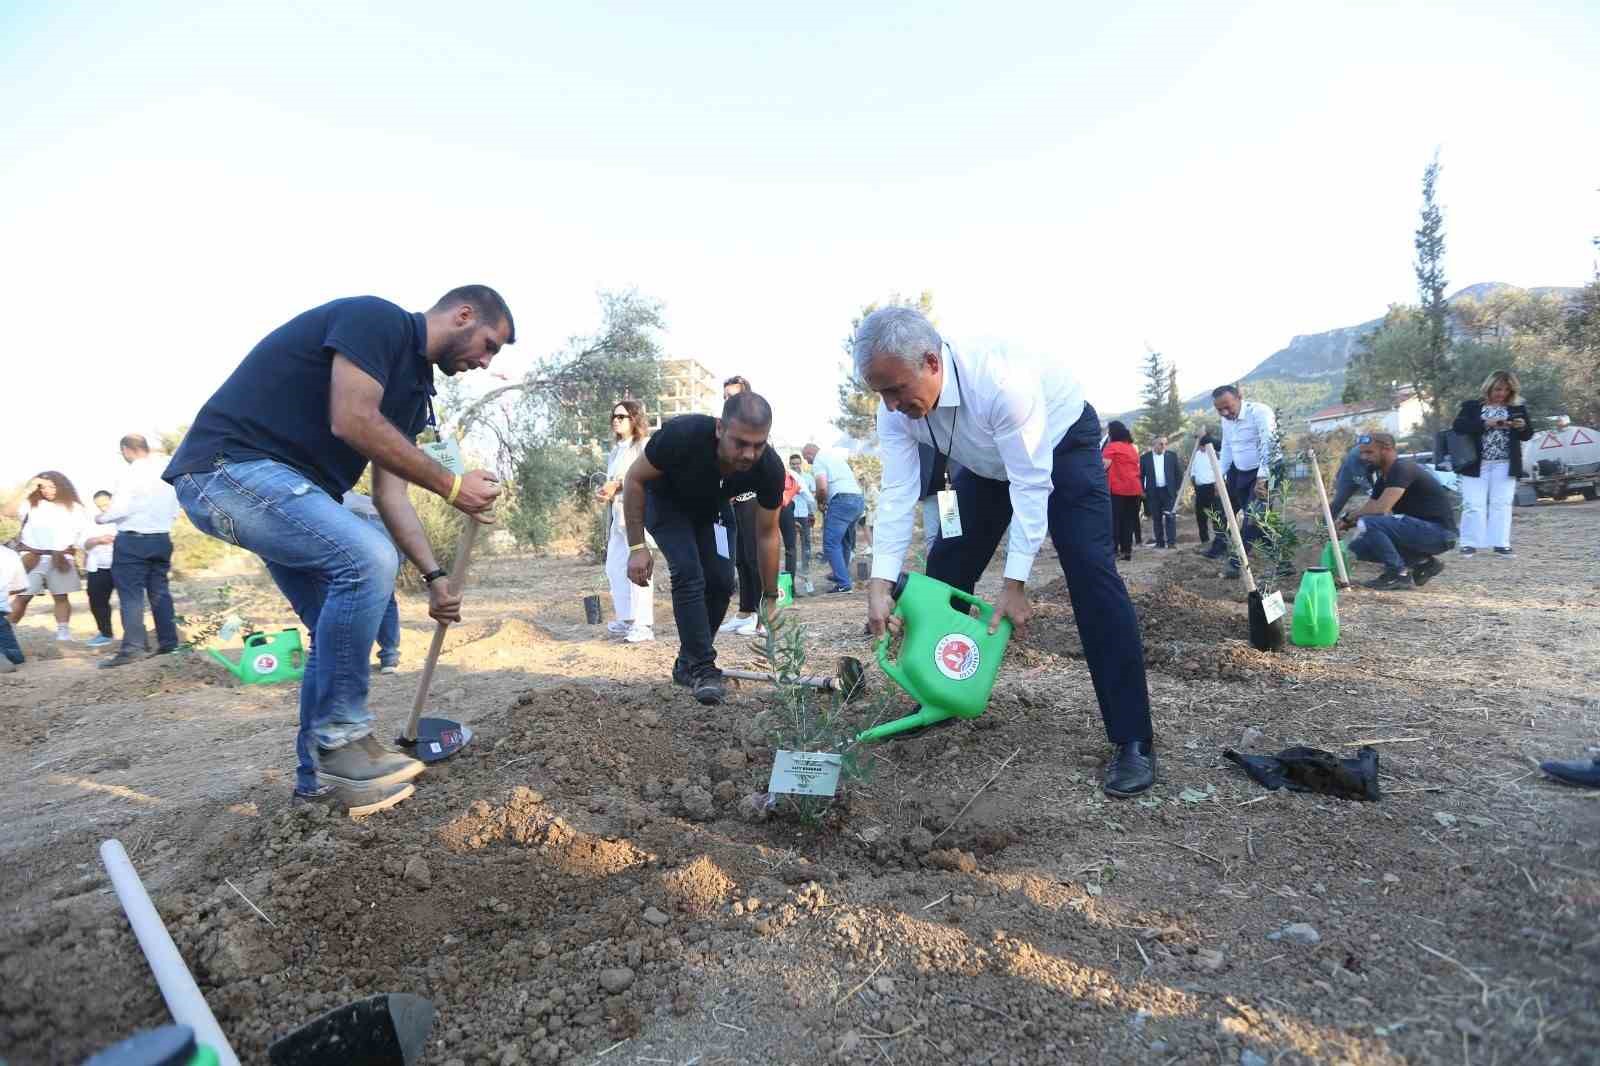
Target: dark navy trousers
(1080, 528)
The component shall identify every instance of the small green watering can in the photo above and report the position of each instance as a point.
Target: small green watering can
(1316, 611)
(948, 660)
(785, 589)
(1327, 561)
(267, 659)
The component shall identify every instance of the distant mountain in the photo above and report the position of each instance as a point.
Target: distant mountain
(1308, 374)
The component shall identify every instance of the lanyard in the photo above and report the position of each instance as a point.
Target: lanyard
(942, 461)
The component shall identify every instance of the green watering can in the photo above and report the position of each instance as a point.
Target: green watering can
(1316, 610)
(948, 660)
(785, 589)
(267, 659)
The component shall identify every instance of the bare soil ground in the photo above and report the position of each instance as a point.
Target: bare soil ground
(592, 833)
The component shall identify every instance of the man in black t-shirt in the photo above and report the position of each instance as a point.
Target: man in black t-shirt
(679, 489)
(268, 459)
(1407, 522)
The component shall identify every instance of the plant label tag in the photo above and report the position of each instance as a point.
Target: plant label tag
(1272, 607)
(447, 453)
(805, 773)
(721, 533)
(949, 514)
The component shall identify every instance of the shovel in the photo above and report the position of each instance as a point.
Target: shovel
(1266, 634)
(1333, 530)
(432, 739)
(849, 679)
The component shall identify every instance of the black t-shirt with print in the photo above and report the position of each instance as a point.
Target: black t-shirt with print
(685, 451)
(1424, 497)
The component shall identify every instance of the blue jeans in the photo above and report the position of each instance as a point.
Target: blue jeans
(1399, 541)
(336, 570)
(140, 563)
(8, 636)
(1079, 514)
(702, 578)
(843, 513)
(389, 628)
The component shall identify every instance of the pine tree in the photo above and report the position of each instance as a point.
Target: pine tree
(1152, 414)
(1173, 411)
(1429, 242)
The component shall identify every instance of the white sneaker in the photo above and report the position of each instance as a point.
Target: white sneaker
(388, 669)
(640, 635)
(619, 628)
(64, 634)
(747, 627)
(736, 624)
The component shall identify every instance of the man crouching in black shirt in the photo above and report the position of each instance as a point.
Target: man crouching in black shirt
(1408, 521)
(679, 489)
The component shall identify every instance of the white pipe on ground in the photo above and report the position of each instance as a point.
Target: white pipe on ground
(184, 1001)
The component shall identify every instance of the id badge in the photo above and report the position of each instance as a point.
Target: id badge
(720, 531)
(949, 514)
(447, 453)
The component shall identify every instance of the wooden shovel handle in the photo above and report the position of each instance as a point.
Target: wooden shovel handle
(1327, 516)
(456, 579)
(1233, 523)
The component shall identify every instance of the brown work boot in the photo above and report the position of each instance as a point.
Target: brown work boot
(363, 765)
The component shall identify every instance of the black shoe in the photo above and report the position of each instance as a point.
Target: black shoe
(1215, 549)
(166, 651)
(841, 588)
(1585, 774)
(680, 675)
(1132, 769)
(1231, 571)
(1505, 553)
(122, 658)
(1426, 570)
(1391, 580)
(710, 689)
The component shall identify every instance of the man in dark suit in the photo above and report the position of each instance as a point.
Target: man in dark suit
(1158, 469)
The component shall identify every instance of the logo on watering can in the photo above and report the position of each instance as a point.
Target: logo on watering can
(265, 663)
(956, 656)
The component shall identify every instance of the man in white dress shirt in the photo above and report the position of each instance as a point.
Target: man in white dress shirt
(1248, 457)
(143, 508)
(1028, 446)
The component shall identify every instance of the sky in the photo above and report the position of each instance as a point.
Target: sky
(1076, 180)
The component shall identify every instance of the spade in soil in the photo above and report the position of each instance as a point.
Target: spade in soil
(432, 738)
(1266, 630)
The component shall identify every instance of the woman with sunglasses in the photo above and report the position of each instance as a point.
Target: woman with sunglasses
(635, 604)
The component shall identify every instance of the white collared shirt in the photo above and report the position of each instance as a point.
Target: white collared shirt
(48, 526)
(623, 455)
(13, 578)
(141, 501)
(1247, 442)
(1001, 420)
(1200, 469)
(834, 464)
(805, 501)
(1158, 464)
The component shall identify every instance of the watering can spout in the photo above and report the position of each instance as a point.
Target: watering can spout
(236, 669)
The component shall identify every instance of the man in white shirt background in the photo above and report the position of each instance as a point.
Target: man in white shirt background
(804, 509)
(1249, 453)
(842, 504)
(13, 580)
(1158, 470)
(97, 555)
(143, 508)
(1205, 487)
(1029, 448)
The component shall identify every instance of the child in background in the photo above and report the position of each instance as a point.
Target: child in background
(13, 579)
(97, 548)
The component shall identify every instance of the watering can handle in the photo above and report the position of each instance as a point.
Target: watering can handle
(985, 610)
(255, 639)
(890, 668)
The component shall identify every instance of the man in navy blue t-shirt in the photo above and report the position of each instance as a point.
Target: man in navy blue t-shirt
(274, 450)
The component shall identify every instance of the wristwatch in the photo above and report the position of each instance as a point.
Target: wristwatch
(433, 575)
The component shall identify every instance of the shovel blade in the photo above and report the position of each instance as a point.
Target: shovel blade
(1264, 635)
(437, 739)
(383, 1030)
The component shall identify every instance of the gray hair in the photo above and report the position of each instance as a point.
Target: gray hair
(900, 332)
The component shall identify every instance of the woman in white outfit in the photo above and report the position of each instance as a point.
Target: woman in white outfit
(54, 524)
(1498, 424)
(635, 605)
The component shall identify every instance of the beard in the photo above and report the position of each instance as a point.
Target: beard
(453, 359)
